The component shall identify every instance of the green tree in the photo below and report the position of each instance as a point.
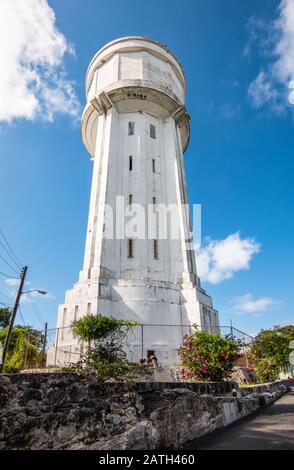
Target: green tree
(5, 314)
(104, 356)
(267, 369)
(25, 348)
(208, 357)
(269, 352)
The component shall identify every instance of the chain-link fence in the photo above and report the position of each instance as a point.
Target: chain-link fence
(59, 346)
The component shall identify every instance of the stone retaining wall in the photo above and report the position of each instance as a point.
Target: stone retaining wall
(64, 411)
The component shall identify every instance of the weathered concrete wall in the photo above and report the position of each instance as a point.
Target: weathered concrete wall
(63, 411)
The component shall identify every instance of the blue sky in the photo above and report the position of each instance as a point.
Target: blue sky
(239, 66)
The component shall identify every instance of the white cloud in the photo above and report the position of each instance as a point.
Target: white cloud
(34, 296)
(230, 111)
(253, 334)
(11, 282)
(247, 304)
(33, 82)
(262, 91)
(286, 321)
(221, 259)
(28, 297)
(274, 85)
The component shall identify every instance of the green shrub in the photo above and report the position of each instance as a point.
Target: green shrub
(99, 327)
(104, 356)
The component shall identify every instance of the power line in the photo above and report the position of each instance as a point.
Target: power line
(34, 306)
(21, 315)
(5, 305)
(10, 257)
(11, 249)
(5, 295)
(8, 275)
(8, 264)
(38, 314)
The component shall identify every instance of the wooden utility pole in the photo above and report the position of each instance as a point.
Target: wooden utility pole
(44, 343)
(12, 317)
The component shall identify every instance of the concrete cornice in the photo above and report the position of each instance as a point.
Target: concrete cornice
(134, 44)
(124, 92)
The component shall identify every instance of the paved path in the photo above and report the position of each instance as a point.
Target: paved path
(271, 428)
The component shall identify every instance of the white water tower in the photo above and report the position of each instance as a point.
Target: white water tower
(136, 129)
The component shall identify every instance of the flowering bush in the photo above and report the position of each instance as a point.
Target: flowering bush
(208, 357)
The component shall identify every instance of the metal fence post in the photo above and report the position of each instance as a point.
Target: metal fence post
(142, 341)
(27, 347)
(44, 344)
(56, 346)
(231, 327)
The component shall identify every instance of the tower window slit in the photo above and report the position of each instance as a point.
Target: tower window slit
(131, 128)
(155, 249)
(152, 131)
(130, 199)
(154, 200)
(76, 313)
(130, 248)
(130, 163)
(153, 165)
(64, 314)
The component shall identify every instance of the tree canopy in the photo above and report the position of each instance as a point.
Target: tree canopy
(270, 351)
(25, 348)
(5, 314)
(274, 343)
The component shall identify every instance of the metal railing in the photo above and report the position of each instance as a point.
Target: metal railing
(58, 346)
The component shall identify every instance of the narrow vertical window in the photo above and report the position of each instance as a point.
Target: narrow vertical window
(130, 199)
(131, 128)
(155, 249)
(76, 312)
(130, 163)
(130, 248)
(153, 165)
(64, 314)
(89, 309)
(152, 131)
(154, 200)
